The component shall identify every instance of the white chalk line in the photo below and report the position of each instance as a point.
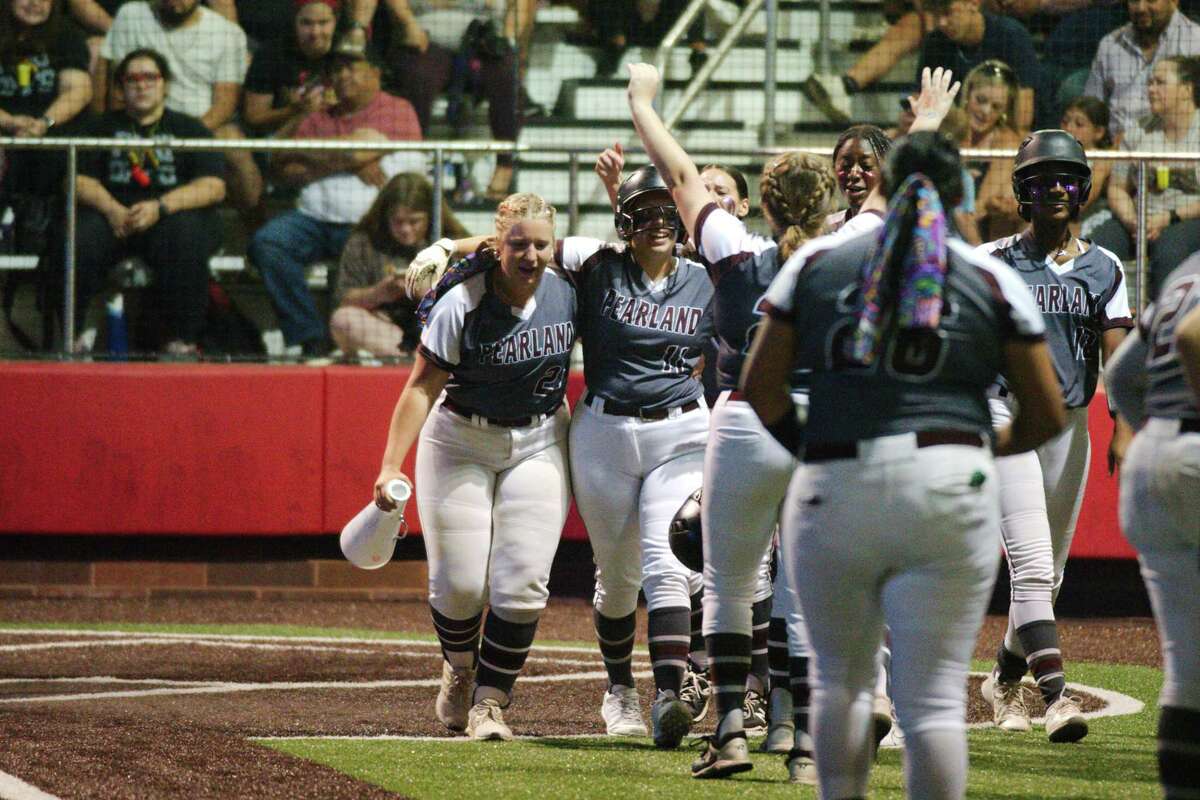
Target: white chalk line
(13, 788)
(229, 687)
(235, 637)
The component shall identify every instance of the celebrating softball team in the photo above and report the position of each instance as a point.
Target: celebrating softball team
(893, 406)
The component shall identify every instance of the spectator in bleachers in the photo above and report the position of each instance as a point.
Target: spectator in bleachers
(990, 95)
(1156, 31)
(288, 79)
(44, 86)
(157, 204)
(463, 48)
(96, 16)
(831, 93)
(208, 56)
(966, 36)
(336, 188)
(375, 311)
(1073, 28)
(1173, 190)
(618, 24)
(1087, 119)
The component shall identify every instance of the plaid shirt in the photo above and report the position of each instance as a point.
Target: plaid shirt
(1121, 72)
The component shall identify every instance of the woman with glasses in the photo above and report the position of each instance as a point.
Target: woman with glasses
(156, 203)
(1080, 290)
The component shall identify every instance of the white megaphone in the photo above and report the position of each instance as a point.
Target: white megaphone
(369, 539)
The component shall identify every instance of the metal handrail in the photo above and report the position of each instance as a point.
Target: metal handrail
(438, 148)
(700, 79)
(454, 146)
(663, 53)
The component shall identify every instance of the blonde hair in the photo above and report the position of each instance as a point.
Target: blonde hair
(521, 206)
(797, 190)
(994, 72)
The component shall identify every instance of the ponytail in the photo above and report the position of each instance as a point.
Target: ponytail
(905, 275)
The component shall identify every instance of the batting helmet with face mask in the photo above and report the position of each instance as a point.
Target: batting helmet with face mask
(629, 220)
(1047, 158)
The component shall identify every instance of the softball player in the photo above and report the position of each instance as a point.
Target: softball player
(486, 396)
(1156, 372)
(739, 515)
(1080, 289)
(903, 332)
(639, 435)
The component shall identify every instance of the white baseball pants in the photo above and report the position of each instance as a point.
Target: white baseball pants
(1041, 493)
(630, 477)
(905, 536)
(1160, 514)
(746, 475)
(493, 501)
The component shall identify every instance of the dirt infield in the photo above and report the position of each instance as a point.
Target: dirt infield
(139, 715)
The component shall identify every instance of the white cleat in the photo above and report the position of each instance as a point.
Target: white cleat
(800, 765)
(1064, 721)
(486, 722)
(454, 698)
(622, 712)
(1009, 711)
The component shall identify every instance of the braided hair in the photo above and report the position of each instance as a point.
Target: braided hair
(797, 189)
(521, 206)
(873, 135)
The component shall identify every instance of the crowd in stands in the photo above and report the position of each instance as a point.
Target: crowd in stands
(1115, 73)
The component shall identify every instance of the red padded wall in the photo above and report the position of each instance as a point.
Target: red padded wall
(207, 449)
(149, 448)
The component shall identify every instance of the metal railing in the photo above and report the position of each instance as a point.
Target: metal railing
(439, 149)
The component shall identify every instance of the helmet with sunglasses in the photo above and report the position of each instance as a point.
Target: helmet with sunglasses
(1051, 153)
(629, 221)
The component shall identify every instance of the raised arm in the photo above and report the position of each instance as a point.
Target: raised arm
(673, 164)
(608, 167)
(938, 90)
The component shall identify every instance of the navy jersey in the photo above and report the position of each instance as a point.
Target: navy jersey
(641, 341)
(1167, 391)
(921, 380)
(1080, 300)
(503, 361)
(742, 265)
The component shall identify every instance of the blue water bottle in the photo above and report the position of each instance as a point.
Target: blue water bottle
(118, 332)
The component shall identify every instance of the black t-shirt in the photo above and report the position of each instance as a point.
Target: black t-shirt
(29, 84)
(162, 169)
(280, 67)
(265, 20)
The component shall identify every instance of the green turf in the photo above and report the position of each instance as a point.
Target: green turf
(1116, 761)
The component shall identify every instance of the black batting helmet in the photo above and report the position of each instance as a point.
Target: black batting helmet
(686, 541)
(1050, 152)
(641, 182)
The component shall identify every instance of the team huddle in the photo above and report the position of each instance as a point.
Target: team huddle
(891, 407)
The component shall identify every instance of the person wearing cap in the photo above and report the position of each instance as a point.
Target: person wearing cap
(288, 78)
(207, 55)
(336, 187)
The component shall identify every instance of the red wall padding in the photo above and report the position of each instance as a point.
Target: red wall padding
(148, 448)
